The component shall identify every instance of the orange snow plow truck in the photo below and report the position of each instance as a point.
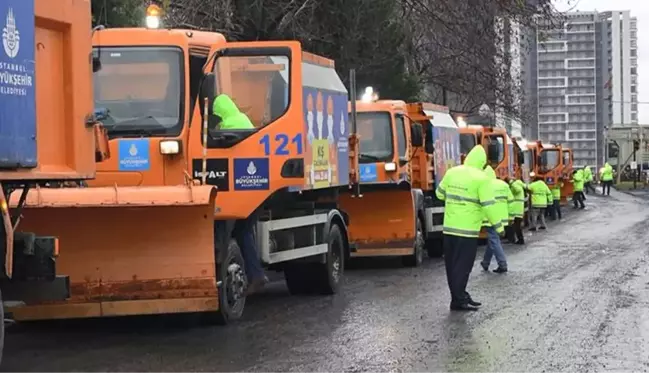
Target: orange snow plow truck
(49, 137)
(155, 231)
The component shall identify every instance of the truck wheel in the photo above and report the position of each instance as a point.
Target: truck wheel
(297, 278)
(232, 292)
(435, 247)
(320, 278)
(417, 256)
(329, 275)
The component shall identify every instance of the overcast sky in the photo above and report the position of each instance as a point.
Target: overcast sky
(639, 9)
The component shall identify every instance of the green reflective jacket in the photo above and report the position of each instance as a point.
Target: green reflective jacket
(556, 191)
(541, 194)
(501, 194)
(517, 207)
(588, 174)
(578, 181)
(607, 173)
(468, 196)
(231, 117)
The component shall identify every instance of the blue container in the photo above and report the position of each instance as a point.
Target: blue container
(17, 85)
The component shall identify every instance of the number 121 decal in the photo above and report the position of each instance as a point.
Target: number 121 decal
(281, 144)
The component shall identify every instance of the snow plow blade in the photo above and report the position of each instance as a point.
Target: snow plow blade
(381, 223)
(126, 250)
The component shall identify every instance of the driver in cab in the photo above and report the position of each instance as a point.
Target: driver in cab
(231, 118)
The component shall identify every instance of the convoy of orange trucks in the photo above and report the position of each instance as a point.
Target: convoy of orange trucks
(399, 172)
(152, 195)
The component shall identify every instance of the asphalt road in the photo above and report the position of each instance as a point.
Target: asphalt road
(575, 299)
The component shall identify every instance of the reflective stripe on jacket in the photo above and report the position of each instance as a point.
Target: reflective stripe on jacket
(540, 193)
(517, 207)
(501, 194)
(468, 196)
(578, 181)
(607, 173)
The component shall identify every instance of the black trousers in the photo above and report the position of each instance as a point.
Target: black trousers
(459, 257)
(589, 186)
(555, 209)
(515, 231)
(606, 187)
(578, 199)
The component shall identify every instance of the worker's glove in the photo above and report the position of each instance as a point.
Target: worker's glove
(501, 233)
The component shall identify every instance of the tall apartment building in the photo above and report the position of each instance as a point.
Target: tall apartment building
(581, 79)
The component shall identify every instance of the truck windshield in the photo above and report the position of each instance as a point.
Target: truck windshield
(375, 130)
(467, 142)
(549, 160)
(139, 89)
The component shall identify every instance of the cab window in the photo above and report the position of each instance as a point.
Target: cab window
(566, 158)
(402, 147)
(258, 85)
(375, 131)
(496, 158)
(467, 142)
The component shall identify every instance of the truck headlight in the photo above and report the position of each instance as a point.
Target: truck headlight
(170, 147)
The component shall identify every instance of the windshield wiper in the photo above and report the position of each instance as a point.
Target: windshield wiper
(369, 157)
(129, 122)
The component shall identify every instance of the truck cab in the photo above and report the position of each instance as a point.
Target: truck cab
(547, 161)
(385, 145)
(495, 142)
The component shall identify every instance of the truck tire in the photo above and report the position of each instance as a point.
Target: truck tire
(435, 247)
(319, 278)
(232, 292)
(417, 256)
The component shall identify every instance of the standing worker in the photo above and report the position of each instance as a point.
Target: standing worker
(606, 176)
(555, 208)
(578, 187)
(468, 196)
(540, 192)
(502, 195)
(517, 211)
(233, 119)
(588, 180)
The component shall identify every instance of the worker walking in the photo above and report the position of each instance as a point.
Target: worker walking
(503, 196)
(516, 211)
(231, 118)
(555, 208)
(578, 189)
(588, 180)
(468, 197)
(606, 176)
(540, 192)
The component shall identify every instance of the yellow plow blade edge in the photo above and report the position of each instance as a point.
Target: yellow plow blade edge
(130, 250)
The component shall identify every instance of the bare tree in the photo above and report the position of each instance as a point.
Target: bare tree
(461, 50)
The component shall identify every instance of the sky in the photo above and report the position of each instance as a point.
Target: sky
(640, 10)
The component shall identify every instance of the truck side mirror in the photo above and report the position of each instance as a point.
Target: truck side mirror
(521, 157)
(208, 90)
(416, 135)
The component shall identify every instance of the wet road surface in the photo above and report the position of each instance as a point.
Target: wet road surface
(575, 299)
